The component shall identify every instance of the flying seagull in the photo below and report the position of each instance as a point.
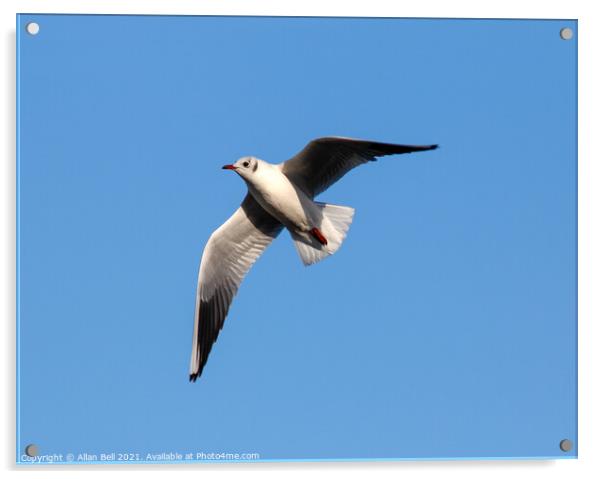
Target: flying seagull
(279, 196)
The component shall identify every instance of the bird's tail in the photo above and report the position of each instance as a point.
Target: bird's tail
(334, 225)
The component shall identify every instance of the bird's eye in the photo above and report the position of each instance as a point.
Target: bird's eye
(246, 164)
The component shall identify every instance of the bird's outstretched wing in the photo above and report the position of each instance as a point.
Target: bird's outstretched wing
(230, 252)
(325, 160)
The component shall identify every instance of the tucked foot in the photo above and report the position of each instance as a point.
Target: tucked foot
(316, 233)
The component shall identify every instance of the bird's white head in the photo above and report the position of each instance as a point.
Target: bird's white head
(246, 167)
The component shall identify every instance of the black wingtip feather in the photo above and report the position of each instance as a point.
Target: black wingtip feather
(385, 149)
(422, 148)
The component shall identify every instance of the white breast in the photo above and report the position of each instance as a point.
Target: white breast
(279, 197)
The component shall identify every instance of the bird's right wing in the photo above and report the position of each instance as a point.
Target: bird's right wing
(326, 160)
(230, 252)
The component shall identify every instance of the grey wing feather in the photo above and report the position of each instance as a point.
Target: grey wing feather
(229, 254)
(326, 160)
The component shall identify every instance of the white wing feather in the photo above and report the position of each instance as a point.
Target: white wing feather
(229, 254)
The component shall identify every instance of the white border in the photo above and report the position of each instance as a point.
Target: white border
(590, 226)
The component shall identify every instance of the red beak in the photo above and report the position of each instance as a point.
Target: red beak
(228, 167)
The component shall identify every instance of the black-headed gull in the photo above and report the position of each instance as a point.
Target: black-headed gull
(279, 196)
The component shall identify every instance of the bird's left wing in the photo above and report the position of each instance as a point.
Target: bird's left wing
(325, 160)
(230, 252)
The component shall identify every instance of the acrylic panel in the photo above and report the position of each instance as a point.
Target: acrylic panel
(439, 324)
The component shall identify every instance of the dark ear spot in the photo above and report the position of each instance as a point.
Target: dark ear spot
(255, 165)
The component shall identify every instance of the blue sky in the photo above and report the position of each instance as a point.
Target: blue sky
(444, 327)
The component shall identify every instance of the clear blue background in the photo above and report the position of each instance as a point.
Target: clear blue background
(444, 327)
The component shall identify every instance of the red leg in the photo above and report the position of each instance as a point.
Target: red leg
(316, 233)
